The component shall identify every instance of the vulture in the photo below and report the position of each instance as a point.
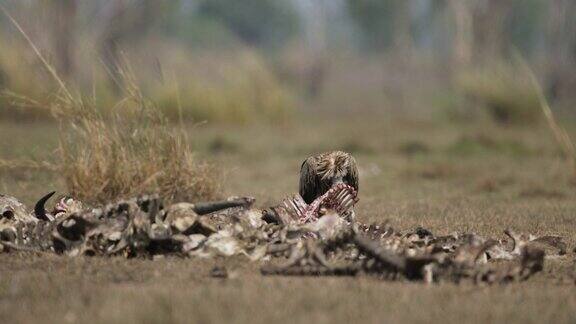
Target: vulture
(320, 172)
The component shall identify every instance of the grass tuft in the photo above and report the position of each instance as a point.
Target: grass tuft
(129, 153)
(124, 151)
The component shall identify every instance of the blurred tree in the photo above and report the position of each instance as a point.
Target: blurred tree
(256, 22)
(62, 15)
(525, 26)
(403, 40)
(480, 29)
(315, 16)
(489, 19)
(125, 20)
(375, 18)
(185, 23)
(463, 38)
(561, 48)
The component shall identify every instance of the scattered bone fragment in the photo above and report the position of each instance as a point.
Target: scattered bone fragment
(12, 210)
(295, 239)
(552, 245)
(219, 272)
(308, 259)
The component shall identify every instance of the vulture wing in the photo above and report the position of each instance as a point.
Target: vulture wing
(352, 176)
(309, 180)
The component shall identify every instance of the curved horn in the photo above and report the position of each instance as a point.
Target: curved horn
(204, 208)
(40, 208)
(516, 240)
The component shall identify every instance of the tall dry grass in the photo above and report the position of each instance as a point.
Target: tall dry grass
(194, 85)
(504, 90)
(237, 87)
(560, 133)
(127, 150)
(132, 150)
(23, 84)
(512, 93)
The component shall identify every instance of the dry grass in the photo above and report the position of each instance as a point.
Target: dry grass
(504, 90)
(136, 149)
(560, 133)
(131, 150)
(202, 85)
(210, 86)
(103, 159)
(52, 289)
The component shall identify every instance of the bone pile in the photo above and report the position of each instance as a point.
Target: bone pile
(290, 239)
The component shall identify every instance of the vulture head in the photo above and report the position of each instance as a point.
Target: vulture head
(321, 172)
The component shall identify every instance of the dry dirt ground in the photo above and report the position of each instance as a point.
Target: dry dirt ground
(475, 177)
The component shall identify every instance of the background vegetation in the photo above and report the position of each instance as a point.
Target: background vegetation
(269, 62)
(223, 60)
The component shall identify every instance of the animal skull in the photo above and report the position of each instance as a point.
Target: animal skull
(13, 211)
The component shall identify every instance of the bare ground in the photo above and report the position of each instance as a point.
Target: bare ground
(447, 178)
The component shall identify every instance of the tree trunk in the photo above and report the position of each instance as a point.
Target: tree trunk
(64, 14)
(463, 39)
(561, 48)
(124, 20)
(488, 19)
(402, 39)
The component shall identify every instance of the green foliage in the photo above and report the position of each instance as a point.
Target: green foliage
(22, 88)
(236, 88)
(526, 23)
(375, 19)
(256, 22)
(202, 31)
(197, 86)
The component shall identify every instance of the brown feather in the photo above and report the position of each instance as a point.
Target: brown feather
(309, 180)
(320, 172)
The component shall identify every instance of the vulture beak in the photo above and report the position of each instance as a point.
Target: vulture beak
(337, 181)
(40, 208)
